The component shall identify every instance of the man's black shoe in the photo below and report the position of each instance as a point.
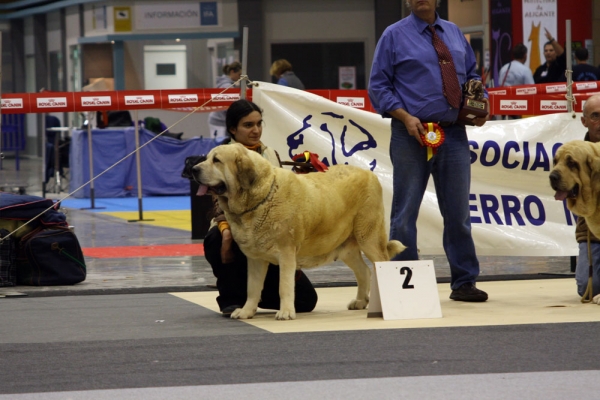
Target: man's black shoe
(226, 312)
(468, 292)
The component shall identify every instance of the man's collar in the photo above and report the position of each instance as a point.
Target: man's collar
(422, 25)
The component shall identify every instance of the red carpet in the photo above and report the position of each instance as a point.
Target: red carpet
(162, 250)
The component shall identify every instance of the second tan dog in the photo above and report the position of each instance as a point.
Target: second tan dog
(297, 221)
(575, 177)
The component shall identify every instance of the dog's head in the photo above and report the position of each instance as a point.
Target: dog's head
(230, 170)
(575, 176)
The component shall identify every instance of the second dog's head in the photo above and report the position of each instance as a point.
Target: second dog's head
(575, 176)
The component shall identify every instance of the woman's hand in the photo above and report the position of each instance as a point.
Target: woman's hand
(227, 255)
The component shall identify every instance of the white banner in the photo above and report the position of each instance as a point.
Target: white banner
(513, 211)
(538, 15)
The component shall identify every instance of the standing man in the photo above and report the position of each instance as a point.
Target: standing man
(584, 71)
(553, 70)
(591, 120)
(515, 72)
(415, 79)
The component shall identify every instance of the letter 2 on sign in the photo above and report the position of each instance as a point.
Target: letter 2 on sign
(408, 272)
(390, 300)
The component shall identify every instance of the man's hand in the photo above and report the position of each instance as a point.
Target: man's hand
(226, 247)
(558, 49)
(413, 125)
(415, 128)
(483, 120)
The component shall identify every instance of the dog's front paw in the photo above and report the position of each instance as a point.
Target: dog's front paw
(358, 304)
(285, 315)
(241, 313)
(596, 299)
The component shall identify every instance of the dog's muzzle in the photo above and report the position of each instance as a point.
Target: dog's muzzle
(561, 193)
(555, 180)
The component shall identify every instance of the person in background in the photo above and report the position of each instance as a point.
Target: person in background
(216, 119)
(282, 70)
(230, 266)
(591, 120)
(583, 71)
(407, 84)
(553, 70)
(515, 72)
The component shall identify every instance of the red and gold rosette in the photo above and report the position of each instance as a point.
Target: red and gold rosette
(433, 138)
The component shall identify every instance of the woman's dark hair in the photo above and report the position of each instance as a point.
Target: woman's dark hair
(238, 110)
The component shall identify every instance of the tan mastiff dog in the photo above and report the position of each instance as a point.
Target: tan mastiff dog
(576, 177)
(297, 221)
(576, 172)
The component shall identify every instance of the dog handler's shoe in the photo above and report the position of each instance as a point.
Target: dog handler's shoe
(226, 312)
(468, 292)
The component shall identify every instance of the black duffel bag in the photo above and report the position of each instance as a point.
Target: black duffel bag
(49, 257)
(8, 256)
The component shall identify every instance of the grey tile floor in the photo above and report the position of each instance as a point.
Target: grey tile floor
(147, 274)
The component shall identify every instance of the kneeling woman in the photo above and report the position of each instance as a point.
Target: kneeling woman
(230, 266)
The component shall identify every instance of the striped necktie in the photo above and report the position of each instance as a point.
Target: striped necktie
(450, 84)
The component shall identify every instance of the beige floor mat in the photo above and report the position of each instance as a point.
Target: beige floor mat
(510, 303)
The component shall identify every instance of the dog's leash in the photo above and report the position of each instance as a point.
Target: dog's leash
(589, 293)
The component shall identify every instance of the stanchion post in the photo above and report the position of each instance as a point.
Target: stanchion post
(138, 165)
(56, 155)
(244, 61)
(91, 161)
(44, 155)
(569, 67)
(1, 154)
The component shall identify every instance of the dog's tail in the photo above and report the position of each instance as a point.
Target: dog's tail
(394, 247)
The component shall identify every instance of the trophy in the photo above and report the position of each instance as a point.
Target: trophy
(474, 104)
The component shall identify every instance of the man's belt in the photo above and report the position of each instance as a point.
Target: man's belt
(443, 124)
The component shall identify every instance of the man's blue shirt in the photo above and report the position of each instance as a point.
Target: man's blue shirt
(406, 73)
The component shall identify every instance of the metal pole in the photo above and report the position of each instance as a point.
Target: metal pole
(569, 67)
(1, 154)
(44, 156)
(569, 92)
(91, 160)
(57, 182)
(244, 60)
(138, 165)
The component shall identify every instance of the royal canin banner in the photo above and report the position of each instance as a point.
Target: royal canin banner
(18, 103)
(203, 100)
(95, 101)
(527, 100)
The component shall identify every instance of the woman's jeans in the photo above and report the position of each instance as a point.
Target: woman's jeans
(582, 271)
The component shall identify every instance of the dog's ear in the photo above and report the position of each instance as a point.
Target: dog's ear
(593, 163)
(246, 173)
